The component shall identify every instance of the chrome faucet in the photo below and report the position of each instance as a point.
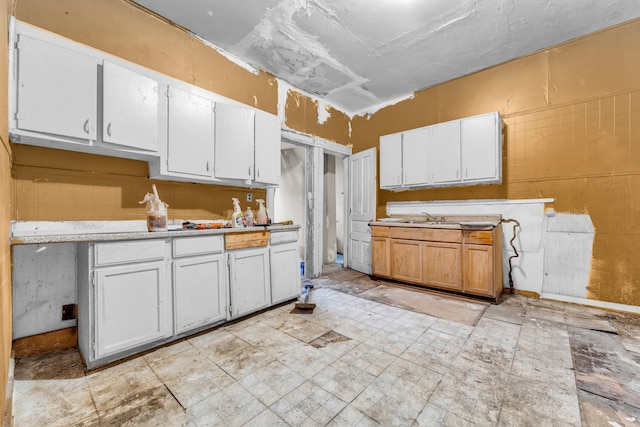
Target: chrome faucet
(432, 218)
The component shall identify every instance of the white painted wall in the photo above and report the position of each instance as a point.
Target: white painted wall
(329, 247)
(44, 279)
(289, 200)
(340, 221)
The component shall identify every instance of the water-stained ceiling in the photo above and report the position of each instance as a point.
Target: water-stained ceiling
(357, 55)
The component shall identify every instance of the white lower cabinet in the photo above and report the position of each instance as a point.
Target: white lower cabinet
(249, 280)
(285, 271)
(137, 294)
(124, 298)
(199, 282)
(133, 307)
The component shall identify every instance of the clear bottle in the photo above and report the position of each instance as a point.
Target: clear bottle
(248, 217)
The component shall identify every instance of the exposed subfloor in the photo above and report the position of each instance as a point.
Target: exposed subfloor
(369, 354)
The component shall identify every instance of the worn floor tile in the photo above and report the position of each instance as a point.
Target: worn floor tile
(355, 361)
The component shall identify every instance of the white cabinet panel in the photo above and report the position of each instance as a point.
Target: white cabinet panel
(190, 133)
(267, 148)
(482, 148)
(200, 291)
(132, 306)
(130, 108)
(285, 273)
(444, 152)
(391, 160)
(415, 167)
(234, 138)
(249, 280)
(56, 90)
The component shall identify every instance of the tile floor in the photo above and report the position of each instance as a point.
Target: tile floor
(358, 362)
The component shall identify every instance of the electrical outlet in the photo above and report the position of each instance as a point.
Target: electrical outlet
(68, 312)
(249, 197)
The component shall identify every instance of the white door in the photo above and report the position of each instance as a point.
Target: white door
(444, 153)
(481, 148)
(250, 280)
(361, 208)
(391, 160)
(200, 291)
(285, 272)
(415, 143)
(234, 142)
(50, 76)
(267, 148)
(191, 135)
(132, 306)
(130, 108)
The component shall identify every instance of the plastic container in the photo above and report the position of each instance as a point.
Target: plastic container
(156, 211)
(236, 217)
(263, 217)
(248, 217)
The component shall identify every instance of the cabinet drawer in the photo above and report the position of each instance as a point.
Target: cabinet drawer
(429, 234)
(129, 251)
(183, 246)
(479, 237)
(249, 239)
(377, 231)
(284, 237)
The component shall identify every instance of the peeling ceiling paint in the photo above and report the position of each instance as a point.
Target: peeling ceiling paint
(358, 54)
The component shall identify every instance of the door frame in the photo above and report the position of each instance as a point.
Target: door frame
(315, 149)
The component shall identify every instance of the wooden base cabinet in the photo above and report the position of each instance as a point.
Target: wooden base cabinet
(380, 252)
(441, 265)
(467, 261)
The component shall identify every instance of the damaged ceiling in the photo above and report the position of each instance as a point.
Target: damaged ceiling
(358, 55)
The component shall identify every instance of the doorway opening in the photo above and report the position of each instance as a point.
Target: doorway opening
(333, 225)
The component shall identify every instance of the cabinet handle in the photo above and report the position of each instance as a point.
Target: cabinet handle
(109, 129)
(207, 165)
(249, 171)
(258, 172)
(85, 126)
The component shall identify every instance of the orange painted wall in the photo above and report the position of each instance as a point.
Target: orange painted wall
(572, 133)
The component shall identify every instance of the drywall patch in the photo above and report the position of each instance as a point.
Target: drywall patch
(567, 240)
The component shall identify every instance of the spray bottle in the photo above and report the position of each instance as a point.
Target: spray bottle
(236, 216)
(263, 216)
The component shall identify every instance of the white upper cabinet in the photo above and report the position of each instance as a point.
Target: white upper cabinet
(482, 149)
(459, 152)
(444, 152)
(234, 130)
(130, 108)
(267, 148)
(391, 160)
(56, 90)
(190, 134)
(415, 168)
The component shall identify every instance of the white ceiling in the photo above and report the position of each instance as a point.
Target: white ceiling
(357, 55)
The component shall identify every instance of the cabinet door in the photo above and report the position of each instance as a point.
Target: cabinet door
(132, 306)
(415, 167)
(200, 291)
(477, 263)
(443, 265)
(190, 134)
(234, 140)
(249, 280)
(57, 90)
(285, 272)
(391, 160)
(130, 108)
(444, 153)
(267, 148)
(406, 260)
(380, 257)
(481, 141)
